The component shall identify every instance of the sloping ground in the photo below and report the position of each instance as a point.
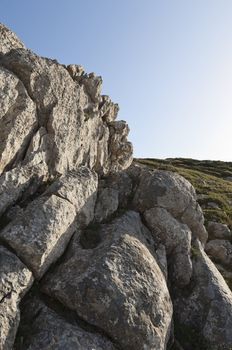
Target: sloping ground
(211, 180)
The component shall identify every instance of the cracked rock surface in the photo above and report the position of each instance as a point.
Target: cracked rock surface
(96, 252)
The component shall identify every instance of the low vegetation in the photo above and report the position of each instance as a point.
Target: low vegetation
(211, 179)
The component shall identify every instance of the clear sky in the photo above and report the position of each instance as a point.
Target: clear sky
(168, 63)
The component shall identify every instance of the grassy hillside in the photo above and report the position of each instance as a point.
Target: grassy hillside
(210, 179)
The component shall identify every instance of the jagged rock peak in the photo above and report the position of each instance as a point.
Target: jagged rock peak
(9, 40)
(56, 113)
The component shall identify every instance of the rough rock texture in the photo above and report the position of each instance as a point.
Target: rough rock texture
(40, 233)
(85, 138)
(175, 194)
(18, 118)
(221, 251)
(21, 180)
(8, 40)
(204, 309)
(15, 280)
(176, 237)
(113, 247)
(48, 330)
(218, 230)
(113, 282)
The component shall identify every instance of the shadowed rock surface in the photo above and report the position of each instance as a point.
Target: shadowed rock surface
(96, 252)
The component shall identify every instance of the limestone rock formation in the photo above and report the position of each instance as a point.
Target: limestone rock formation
(96, 252)
(114, 280)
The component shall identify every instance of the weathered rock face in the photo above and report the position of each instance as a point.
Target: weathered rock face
(113, 282)
(204, 310)
(18, 118)
(9, 40)
(45, 329)
(15, 280)
(85, 137)
(221, 251)
(176, 237)
(112, 249)
(218, 231)
(175, 194)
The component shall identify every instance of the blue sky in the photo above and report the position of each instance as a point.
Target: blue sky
(168, 63)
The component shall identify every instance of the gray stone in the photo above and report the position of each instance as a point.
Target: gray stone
(48, 330)
(117, 286)
(21, 179)
(164, 189)
(161, 258)
(84, 138)
(120, 150)
(220, 251)
(18, 118)
(42, 231)
(78, 187)
(176, 237)
(122, 183)
(108, 110)
(218, 230)
(175, 194)
(15, 280)
(8, 40)
(107, 204)
(40, 234)
(204, 309)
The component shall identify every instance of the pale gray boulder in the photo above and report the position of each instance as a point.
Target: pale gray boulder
(164, 189)
(203, 310)
(118, 285)
(172, 192)
(41, 232)
(15, 280)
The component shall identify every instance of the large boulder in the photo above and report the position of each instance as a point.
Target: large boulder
(40, 233)
(117, 285)
(172, 192)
